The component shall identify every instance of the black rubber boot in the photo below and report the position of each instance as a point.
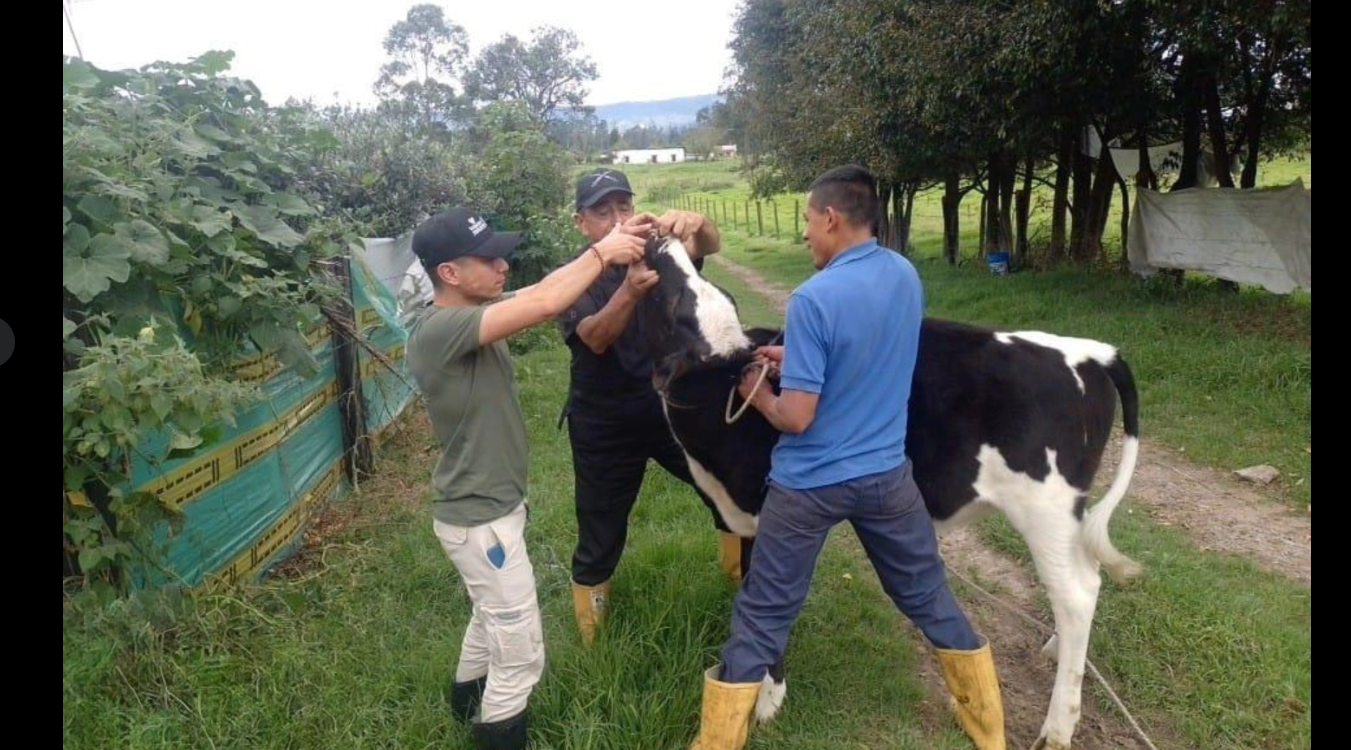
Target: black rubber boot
(465, 698)
(508, 734)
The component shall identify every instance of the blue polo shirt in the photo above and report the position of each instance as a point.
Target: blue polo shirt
(851, 336)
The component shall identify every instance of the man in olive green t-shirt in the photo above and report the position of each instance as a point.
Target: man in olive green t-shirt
(458, 355)
(471, 395)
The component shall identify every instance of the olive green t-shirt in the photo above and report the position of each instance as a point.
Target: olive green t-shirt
(471, 395)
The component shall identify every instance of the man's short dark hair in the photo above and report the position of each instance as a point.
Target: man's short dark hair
(851, 190)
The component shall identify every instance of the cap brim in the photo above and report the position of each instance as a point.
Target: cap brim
(593, 200)
(500, 245)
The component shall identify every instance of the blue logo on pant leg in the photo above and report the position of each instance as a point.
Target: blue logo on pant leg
(497, 556)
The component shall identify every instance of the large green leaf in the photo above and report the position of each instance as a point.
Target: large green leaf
(75, 476)
(195, 146)
(122, 191)
(98, 208)
(86, 273)
(145, 243)
(266, 335)
(295, 352)
(76, 239)
(161, 405)
(251, 184)
(215, 62)
(291, 205)
(222, 243)
(240, 161)
(209, 221)
(90, 557)
(263, 221)
(207, 130)
(212, 192)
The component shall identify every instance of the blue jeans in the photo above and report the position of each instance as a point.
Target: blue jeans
(888, 514)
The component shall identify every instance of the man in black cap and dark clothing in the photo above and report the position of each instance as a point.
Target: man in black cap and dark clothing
(615, 419)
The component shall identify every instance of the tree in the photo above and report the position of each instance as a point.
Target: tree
(549, 72)
(522, 184)
(641, 136)
(389, 178)
(704, 140)
(982, 95)
(820, 84)
(426, 54)
(580, 132)
(1242, 73)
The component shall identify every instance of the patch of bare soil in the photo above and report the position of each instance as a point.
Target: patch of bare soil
(1025, 675)
(776, 296)
(1218, 511)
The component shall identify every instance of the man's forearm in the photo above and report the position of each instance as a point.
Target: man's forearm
(769, 406)
(601, 330)
(792, 414)
(564, 286)
(548, 299)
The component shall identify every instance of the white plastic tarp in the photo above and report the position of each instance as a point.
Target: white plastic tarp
(393, 263)
(1256, 237)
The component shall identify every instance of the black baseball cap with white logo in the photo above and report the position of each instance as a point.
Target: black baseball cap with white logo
(458, 233)
(593, 186)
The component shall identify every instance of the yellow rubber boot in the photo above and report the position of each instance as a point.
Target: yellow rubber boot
(590, 603)
(971, 678)
(729, 555)
(725, 722)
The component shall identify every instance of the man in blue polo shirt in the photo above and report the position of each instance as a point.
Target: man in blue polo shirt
(851, 340)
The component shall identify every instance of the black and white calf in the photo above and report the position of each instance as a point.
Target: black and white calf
(1011, 422)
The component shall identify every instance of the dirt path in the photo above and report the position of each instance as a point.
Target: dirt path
(1218, 512)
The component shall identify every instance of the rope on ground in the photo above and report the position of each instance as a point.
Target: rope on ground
(1046, 629)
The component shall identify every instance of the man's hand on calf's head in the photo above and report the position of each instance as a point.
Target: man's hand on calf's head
(686, 225)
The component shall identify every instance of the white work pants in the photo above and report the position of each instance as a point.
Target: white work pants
(504, 639)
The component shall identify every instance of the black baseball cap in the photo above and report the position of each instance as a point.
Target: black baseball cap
(597, 184)
(457, 233)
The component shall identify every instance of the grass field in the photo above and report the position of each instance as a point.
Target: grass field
(355, 646)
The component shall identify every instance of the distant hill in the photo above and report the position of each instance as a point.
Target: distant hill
(679, 111)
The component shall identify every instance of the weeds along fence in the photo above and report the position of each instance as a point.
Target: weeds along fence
(246, 501)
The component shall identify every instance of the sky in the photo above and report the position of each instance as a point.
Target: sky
(332, 51)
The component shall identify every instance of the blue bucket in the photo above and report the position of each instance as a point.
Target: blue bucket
(999, 264)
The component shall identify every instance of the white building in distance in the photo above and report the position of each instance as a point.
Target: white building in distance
(650, 156)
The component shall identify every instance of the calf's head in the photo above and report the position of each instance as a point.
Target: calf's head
(690, 322)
